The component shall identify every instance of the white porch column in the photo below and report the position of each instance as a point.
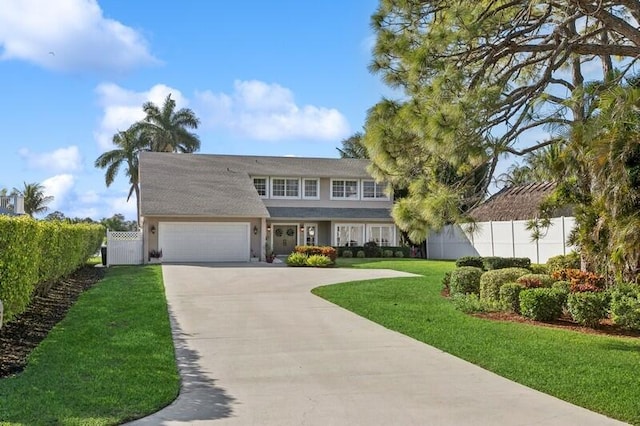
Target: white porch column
(263, 239)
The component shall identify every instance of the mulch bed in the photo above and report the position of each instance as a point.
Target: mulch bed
(19, 337)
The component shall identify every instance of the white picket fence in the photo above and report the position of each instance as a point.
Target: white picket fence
(124, 248)
(506, 239)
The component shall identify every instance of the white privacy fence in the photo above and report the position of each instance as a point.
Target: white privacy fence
(124, 248)
(505, 239)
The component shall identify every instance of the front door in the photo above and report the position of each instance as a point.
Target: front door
(285, 238)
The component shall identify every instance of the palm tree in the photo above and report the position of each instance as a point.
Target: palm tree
(128, 144)
(167, 128)
(35, 202)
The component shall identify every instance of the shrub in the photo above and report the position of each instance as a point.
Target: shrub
(446, 280)
(319, 261)
(542, 304)
(297, 259)
(406, 250)
(399, 253)
(536, 280)
(371, 249)
(580, 280)
(347, 253)
(494, 262)
(510, 296)
(539, 268)
(465, 279)
(491, 281)
(467, 303)
(588, 308)
(625, 306)
(562, 285)
(360, 254)
(470, 261)
(387, 253)
(328, 251)
(568, 261)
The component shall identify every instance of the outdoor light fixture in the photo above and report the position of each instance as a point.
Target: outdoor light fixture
(153, 229)
(269, 228)
(255, 230)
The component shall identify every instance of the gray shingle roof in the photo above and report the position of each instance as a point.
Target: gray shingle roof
(326, 213)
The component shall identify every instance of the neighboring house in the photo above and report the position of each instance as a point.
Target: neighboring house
(11, 205)
(204, 208)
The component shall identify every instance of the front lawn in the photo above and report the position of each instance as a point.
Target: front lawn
(594, 371)
(110, 360)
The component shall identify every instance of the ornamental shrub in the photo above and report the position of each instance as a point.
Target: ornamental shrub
(297, 259)
(470, 261)
(588, 308)
(564, 261)
(399, 253)
(360, 254)
(491, 281)
(465, 279)
(328, 251)
(467, 303)
(562, 285)
(625, 306)
(542, 304)
(494, 262)
(446, 281)
(387, 253)
(319, 261)
(510, 297)
(347, 253)
(371, 249)
(539, 268)
(580, 280)
(536, 280)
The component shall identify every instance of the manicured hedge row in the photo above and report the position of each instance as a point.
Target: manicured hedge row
(406, 250)
(35, 254)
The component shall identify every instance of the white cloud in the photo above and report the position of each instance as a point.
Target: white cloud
(123, 107)
(69, 35)
(59, 187)
(89, 197)
(120, 205)
(61, 160)
(268, 112)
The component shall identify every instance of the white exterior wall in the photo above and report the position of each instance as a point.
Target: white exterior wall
(505, 239)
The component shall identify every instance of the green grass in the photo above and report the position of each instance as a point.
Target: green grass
(110, 360)
(594, 371)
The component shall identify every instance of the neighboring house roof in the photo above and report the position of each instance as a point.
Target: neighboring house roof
(518, 202)
(327, 213)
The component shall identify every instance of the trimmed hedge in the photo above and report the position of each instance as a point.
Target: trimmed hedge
(465, 279)
(588, 308)
(328, 251)
(34, 255)
(625, 306)
(510, 296)
(470, 261)
(406, 250)
(564, 261)
(493, 262)
(491, 281)
(542, 304)
(536, 280)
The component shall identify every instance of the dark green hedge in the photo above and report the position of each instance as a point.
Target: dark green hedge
(406, 250)
(34, 254)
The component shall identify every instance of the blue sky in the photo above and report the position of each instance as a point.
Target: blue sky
(265, 78)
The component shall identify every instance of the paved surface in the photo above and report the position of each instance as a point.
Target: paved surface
(256, 348)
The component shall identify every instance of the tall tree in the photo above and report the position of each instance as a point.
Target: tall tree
(353, 147)
(168, 129)
(480, 77)
(128, 144)
(35, 202)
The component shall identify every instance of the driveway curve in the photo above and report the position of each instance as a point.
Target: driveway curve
(255, 347)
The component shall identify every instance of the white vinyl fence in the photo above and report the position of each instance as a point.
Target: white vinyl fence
(124, 248)
(505, 239)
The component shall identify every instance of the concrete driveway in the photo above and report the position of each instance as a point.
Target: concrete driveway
(255, 347)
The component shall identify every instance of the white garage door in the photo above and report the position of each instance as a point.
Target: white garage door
(204, 241)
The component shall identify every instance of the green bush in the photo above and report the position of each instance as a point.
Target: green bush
(297, 259)
(446, 280)
(625, 306)
(33, 255)
(399, 253)
(347, 253)
(588, 308)
(510, 297)
(491, 281)
(568, 261)
(535, 280)
(467, 303)
(387, 253)
(538, 268)
(360, 254)
(406, 250)
(465, 279)
(565, 286)
(493, 262)
(470, 261)
(371, 249)
(319, 261)
(328, 251)
(542, 304)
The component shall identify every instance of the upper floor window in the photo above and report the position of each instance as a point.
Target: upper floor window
(372, 190)
(285, 188)
(344, 189)
(261, 186)
(310, 189)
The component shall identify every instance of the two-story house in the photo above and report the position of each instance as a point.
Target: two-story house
(11, 205)
(207, 208)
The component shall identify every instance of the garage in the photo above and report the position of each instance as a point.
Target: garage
(204, 241)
